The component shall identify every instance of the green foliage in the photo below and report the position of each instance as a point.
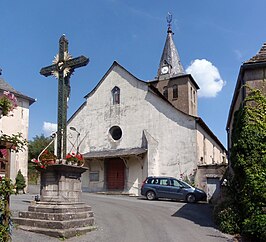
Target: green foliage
(8, 102)
(35, 147)
(20, 182)
(247, 190)
(227, 218)
(16, 140)
(33, 174)
(6, 189)
(38, 144)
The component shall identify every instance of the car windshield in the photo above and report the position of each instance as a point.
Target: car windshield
(184, 184)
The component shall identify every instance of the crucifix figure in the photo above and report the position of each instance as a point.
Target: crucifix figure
(62, 68)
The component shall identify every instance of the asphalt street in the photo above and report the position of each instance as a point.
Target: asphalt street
(130, 219)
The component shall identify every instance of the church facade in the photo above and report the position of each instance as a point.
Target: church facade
(130, 129)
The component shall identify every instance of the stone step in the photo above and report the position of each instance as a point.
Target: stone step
(55, 216)
(59, 208)
(49, 224)
(59, 233)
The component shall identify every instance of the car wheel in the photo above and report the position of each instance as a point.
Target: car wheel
(191, 198)
(150, 195)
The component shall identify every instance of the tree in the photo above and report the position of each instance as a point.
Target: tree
(20, 182)
(38, 144)
(35, 147)
(247, 190)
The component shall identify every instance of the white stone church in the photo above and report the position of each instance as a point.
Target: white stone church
(130, 129)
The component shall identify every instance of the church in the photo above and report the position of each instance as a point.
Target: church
(128, 129)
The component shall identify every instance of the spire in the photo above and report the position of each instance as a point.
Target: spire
(170, 61)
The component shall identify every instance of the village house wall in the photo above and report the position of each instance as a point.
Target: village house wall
(16, 122)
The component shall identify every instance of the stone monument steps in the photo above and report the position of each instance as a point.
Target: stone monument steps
(49, 224)
(59, 233)
(55, 216)
(60, 212)
(59, 208)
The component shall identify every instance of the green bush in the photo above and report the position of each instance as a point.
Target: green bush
(246, 186)
(20, 182)
(256, 227)
(226, 218)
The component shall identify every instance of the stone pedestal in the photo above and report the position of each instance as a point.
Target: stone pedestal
(61, 183)
(60, 212)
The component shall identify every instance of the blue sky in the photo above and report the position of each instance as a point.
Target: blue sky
(224, 33)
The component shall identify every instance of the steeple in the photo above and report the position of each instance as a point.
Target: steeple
(170, 62)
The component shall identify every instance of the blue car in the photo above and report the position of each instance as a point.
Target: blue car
(171, 188)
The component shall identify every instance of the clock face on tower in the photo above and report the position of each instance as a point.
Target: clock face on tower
(164, 69)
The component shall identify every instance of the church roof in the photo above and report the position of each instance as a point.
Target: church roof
(4, 86)
(170, 56)
(260, 56)
(114, 153)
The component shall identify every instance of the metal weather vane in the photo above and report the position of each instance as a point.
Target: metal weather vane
(62, 68)
(169, 19)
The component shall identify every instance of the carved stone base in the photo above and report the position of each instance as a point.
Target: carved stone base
(60, 212)
(55, 219)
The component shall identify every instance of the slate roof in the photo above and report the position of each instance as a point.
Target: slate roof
(4, 86)
(260, 56)
(171, 56)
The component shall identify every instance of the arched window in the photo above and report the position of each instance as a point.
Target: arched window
(165, 92)
(175, 91)
(116, 95)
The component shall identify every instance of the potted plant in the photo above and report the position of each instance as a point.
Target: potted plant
(8, 102)
(75, 159)
(46, 158)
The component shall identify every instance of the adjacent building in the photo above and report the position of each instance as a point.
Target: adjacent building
(16, 122)
(252, 74)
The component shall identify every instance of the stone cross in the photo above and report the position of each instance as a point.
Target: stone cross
(62, 68)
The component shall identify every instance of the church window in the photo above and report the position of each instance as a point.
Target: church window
(115, 132)
(175, 91)
(165, 92)
(116, 95)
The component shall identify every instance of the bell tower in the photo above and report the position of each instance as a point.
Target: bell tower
(179, 88)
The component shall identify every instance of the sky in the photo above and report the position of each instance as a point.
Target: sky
(213, 39)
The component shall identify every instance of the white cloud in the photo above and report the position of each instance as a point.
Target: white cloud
(207, 77)
(49, 128)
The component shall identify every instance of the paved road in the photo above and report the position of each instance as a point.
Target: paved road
(130, 219)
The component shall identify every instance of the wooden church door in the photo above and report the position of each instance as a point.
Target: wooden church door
(115, 174)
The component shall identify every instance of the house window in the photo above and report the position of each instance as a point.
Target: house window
(175, 91)
(165, 92)
(116, 95)
(94, 176)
